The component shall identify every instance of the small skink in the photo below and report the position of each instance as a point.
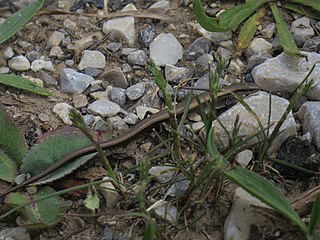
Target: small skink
(161, 116)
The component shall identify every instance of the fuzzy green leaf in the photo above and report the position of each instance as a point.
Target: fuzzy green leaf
(23, 83)
(285, 37)
(92, 202)
(54, 146)
(38, 215)
(260, 188)
(18, 19)
(13, 147)
(248, 30)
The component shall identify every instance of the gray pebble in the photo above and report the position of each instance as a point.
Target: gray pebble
(32, 55)
(135, 91)
(92, 59)
(175, 74)
(24, 44)
(74, 82)
(19, 63)
(55, 39)
(88, 119)
(47, 79)
(126, 68)
(93, 72)
(147, 35)
(131, 119)
(197, 48)
(4, 70)
(114, 46)
(138, 57)
(15, 233)
(104, 108)
(118, 95)
(69, 63)
(80, 101)
(116, 78)
(8, 53)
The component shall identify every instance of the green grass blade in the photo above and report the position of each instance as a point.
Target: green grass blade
(260, 188)
(208, 23)
(18, 19)
(233, 17)
(23, 83)
(315, 4)
(315, 215)
(311, 13)
(285, 37)
(248, 30)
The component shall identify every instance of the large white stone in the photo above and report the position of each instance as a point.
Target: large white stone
(122, 27)
(165, 49)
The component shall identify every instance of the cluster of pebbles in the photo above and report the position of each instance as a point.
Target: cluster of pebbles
(105, 72)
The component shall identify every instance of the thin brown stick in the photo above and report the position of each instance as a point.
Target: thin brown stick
(304, 203)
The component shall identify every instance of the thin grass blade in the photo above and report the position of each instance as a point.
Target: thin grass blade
(18, 20)
(315, 4)
(260, 188)
(311, 13)
(23, 83)
(315, 215)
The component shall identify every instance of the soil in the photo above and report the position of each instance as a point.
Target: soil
(79, 223)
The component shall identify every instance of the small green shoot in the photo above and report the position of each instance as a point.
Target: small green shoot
(315, 216)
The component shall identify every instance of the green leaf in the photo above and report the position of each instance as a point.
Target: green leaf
(315, 4)
(260, 188)
(248, 30)
(23, 83)
(285, 37)
(311, 13)
(233, 17)
(92, 201)
(54, 146)
(208, 23)
(13, 146)
(315, 215)
(40, 214)
(18, 19)
(151, 231)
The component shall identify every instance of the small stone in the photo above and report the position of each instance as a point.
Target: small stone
(92, 59)
(162, 174)
(118, 95)
(19, 63)
(69, 63)
(126, 68)
(258, 45)
(8, 53)
(4, 70)
(47, 79)
(175, 74)
(127, 51)
(236, 66)
(119, 4)
(93, 72)
(147, 35)
(195, 127)
(301, 30)
(44, 117)
(178, 188)
(116, 78)
(122, 27)
(142, 111)
(80, 101)
(110, 194)
(69, 24)
(135, 91)
(100, 95)
(215, 37)
(223, 53)
(108, 233)
(199, 47)
(138, 57)
(165, 49)
(74, 82)
(55, 39)
(114, 46)
(88, 119)
(120, 125)
(268, 30)
(312, 45)
(38, 65)
(131, 119)
(20, 179)
(244, 157)
(24, 44)
(15, 233)
(257, 59)
(162, 4)
(204, 61)
(100, 125)
(62, 110)
(167, 211)
(104, 108)
(56, 52)
(195, 117)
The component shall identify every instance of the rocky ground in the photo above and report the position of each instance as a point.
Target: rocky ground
(94, 60)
